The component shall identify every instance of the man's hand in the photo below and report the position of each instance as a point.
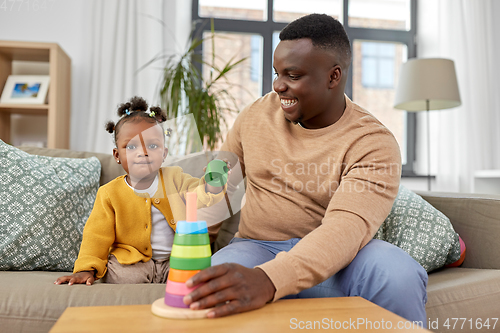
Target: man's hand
(80, 277)
(234, 288)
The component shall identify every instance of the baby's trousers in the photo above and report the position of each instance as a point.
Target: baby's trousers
(152, 271)
(381, 273)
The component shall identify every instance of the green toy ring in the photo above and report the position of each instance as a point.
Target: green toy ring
(191, 239)
(190, 264)
(216, 173)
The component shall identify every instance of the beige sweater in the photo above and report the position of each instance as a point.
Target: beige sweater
(332, 187)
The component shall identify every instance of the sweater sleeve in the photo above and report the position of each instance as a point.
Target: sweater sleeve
(368, 187)
(98, 236)
(187, 183)
(232, 143)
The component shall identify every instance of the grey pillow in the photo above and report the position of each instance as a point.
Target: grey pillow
(418, 228)
(44, 204)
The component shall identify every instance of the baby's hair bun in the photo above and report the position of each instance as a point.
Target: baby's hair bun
(159, 114)
(123, 109)
(110, 127)
(135, 104)
(138, 104)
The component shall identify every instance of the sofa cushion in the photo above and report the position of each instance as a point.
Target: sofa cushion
(463, 249)
(44, 204)
(463, 293)
(425, 233)
(109, 168)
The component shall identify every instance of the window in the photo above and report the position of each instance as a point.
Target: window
(382, 33)
(289, 10)
(373, 83)
(255, 10)
(246, 78)
(377, 65)
(380, 14)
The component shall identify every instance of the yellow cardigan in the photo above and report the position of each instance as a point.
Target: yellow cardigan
(120, 221)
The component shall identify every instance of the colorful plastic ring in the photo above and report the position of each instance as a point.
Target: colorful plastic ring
(190, 263)
(216, 173)
(198, 227)
(187, 251)
(179, 288)
(175, 301)
(191, 239)
(180, 275)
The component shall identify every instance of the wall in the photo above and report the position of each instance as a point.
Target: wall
(69, 23)
(463, 140)
(62, 22)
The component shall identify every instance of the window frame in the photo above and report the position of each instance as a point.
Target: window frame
(268, 27)
(377, 58)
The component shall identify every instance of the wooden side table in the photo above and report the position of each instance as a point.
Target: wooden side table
(342, 313)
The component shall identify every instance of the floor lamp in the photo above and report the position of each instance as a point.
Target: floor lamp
(424, 85)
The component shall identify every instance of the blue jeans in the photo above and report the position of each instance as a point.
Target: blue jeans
(381, 273)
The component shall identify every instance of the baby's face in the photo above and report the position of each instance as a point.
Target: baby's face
(140, 149)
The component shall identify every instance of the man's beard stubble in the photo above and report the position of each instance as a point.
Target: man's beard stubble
(299, 120)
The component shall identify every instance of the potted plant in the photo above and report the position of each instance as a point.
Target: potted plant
(184, 92)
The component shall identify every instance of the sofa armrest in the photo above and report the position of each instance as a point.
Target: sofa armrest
(476, 218)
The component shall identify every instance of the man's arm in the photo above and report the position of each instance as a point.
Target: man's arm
(368, 186)
(356, 210)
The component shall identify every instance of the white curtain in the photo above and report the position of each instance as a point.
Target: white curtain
(123, 36)
(467, 138)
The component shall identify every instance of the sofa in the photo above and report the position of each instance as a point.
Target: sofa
(460, 299)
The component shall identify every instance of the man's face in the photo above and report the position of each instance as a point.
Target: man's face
(140, 149)
(303, 81)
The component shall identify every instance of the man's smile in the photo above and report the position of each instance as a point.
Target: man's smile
(288, 102)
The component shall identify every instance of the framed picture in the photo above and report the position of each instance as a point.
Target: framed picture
(25, 89)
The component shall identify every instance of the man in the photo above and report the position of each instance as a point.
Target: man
(322, 175)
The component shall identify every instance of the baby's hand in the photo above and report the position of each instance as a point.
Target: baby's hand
(80, 277)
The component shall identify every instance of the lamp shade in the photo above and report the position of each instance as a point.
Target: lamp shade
(431, 79)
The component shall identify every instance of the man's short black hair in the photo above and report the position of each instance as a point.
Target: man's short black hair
(324, 31)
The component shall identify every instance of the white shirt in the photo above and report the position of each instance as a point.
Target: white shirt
(162, 236)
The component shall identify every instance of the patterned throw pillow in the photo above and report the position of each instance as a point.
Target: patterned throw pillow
(44, 204)
(421, 230)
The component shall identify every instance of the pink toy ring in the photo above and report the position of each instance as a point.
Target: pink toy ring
(179, 288)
